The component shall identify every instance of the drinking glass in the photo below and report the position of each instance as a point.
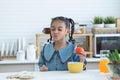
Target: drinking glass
(103, 61)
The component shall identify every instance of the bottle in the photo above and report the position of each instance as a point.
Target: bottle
(20, 55)
(31, 52)
(77, 28)
(103, 61)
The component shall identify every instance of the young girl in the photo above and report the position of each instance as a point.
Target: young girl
(58, 53)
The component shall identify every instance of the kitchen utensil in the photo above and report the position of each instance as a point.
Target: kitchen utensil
(31, 52)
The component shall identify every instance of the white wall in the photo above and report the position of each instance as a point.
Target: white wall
(28, 17)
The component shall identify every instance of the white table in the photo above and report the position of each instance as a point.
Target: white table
(63, 75)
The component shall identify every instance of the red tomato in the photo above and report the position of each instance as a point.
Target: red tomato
(79, 50)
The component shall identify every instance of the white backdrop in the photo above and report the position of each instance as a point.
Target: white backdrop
(28, 17)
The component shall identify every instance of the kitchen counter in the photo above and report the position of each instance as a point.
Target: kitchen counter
(36, 61)
(18, 62)
(31, 65)
(63, 75)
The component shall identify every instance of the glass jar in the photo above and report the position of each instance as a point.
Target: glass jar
(77, 28)
(83, 28)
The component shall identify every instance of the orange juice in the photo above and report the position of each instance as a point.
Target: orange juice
(103, 65)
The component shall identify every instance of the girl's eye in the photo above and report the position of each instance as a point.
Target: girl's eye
(59, 29)
(52, 29)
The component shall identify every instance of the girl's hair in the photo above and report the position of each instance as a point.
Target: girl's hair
(69, 24)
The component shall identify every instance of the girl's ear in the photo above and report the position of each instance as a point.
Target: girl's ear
(68, 31)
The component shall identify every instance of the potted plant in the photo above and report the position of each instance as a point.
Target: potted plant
(109, 22)
(98, 22)
(114, 65)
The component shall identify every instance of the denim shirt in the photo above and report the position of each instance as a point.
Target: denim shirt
(58, 59)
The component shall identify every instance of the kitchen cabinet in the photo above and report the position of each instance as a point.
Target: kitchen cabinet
(32, 65)
(89, 51)
(16, 66)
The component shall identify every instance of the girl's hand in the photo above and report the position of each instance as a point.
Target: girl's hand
(81, 53)
(43, 68)
(82, 56)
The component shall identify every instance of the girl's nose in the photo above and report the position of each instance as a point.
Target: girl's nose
(56, 31)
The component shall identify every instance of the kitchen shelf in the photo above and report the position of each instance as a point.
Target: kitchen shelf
(89, 51)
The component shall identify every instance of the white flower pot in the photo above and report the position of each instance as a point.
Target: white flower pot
(98, 25)
(109, 25)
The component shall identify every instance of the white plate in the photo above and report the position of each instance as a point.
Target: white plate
(2, 49)
(15, 47)
(12, 47)
(7, 49)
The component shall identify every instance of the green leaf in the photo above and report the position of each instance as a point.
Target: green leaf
(117, 54)
(113, 56)
(109, 20)
(98, 20)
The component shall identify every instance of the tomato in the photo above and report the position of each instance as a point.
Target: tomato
(79, 50)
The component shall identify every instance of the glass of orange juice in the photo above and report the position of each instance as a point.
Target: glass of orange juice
(103, 65)
(103, 61)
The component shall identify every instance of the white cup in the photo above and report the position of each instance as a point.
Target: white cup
(20, 55)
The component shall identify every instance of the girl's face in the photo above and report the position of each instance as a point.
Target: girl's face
(58, 30)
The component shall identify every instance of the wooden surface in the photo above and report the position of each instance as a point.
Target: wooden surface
(104, 30)
(118, 29)
(8, 58)
(118, 22)
(89, 51)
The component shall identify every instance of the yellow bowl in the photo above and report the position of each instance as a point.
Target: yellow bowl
(75, 67)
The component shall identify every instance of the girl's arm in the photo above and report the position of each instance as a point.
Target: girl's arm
(41, 63)
(82, 57)
(41, 60)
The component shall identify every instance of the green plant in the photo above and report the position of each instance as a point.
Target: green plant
(113, 57)
(98, 20)
(109, 20)
(114, 65)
